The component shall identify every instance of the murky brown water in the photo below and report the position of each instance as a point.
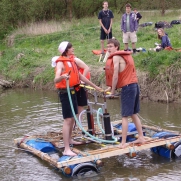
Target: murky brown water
(27, 112)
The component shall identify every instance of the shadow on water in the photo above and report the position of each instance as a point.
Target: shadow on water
(26, 111)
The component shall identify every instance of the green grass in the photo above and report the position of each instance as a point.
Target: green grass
(84, 34)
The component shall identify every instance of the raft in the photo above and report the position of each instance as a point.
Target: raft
(166, 144)
(104, 137)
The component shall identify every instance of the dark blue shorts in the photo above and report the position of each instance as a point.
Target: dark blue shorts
(66, 109)
(130, 100)
(81, 97)
(104, 36)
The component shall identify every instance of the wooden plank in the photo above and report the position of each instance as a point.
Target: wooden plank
(117, 152)
(43, 156)
(159, 129)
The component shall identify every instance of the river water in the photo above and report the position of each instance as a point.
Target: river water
(28, 111)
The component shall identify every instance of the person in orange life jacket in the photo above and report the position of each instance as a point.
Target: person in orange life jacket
(120, 73)
(64, 64)
(80, 91)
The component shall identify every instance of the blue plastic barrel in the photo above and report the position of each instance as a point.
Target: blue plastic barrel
(163, 151)
(41, 145)
(131, 128)
(80, 168)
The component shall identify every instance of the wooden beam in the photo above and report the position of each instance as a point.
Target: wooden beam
(158, 129)
(117, 152)
(43, 156)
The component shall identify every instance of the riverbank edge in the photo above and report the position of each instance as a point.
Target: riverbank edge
(147, 92)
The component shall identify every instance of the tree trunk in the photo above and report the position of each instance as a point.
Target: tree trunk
(69, 3)
(162, 5)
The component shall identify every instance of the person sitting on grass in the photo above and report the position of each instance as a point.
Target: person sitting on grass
(165, 41)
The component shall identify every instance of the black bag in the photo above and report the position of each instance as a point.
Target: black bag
(159, 25)
(174, 22)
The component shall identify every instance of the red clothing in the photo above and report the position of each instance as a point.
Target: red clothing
(88, 76)
(127, 76)
(69, 65)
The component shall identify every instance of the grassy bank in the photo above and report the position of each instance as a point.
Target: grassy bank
(27, 52)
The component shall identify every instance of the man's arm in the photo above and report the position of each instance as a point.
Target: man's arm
(115, 74)
(82, 65)
(122, 24)
(84, 79)
(139, 16)
(110, 25)
(135, 24)
(100, 21)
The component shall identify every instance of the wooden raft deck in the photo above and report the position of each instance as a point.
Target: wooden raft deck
(106, 151)
(110, 151)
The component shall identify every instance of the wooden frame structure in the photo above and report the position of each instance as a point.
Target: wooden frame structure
(104, 150)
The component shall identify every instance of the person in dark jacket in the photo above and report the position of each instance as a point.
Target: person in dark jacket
(165, 41)
(129, 27)
(138, 15)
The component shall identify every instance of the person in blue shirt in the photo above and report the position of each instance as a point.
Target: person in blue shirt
(165, 41)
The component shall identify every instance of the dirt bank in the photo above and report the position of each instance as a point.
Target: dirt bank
(165, 87)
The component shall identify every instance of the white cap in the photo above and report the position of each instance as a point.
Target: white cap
(63, 46)
(54, 61)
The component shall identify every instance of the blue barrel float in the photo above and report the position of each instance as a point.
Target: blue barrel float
(131, 128)
(78, 169)
(165, 152)
(70, 170)
(41, 145)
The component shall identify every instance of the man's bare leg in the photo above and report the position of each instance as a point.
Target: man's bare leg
(138, 125)
(125, 46)
(124, 132)
(67, 128)
(80, 109)
(133, 46)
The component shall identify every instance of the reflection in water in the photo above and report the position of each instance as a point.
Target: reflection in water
(28, 112)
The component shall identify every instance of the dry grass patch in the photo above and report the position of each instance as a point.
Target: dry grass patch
(39, 28)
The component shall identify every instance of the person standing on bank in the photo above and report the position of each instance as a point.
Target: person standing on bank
(129, 27)
(105, 17)
(120, 73)
(138, 15)
(66, 68)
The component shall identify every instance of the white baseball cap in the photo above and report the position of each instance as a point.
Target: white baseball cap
(63, 46)
(54, 61)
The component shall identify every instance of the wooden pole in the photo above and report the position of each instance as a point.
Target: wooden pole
(43, 156)
(159, 129)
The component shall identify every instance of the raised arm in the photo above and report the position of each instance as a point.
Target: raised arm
(82, 65)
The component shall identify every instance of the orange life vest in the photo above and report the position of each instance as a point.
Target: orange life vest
(82, 71)
(127, 76)
(98, 52)
(69, 65)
